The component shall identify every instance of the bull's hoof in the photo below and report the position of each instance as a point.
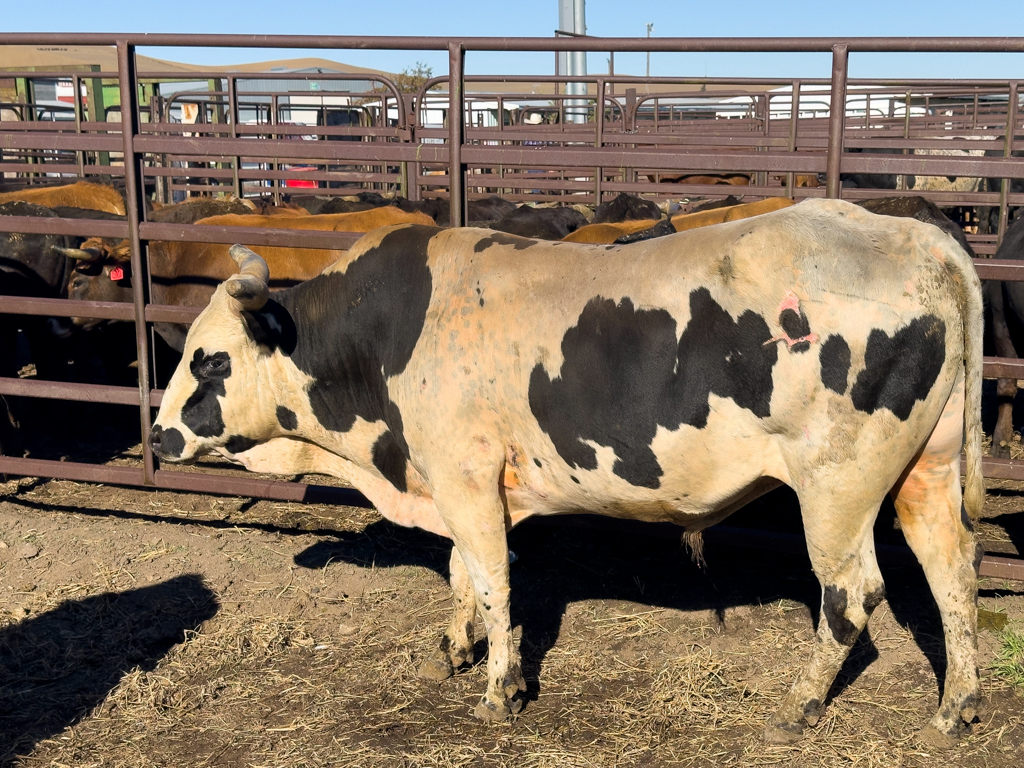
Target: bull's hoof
(492, 712)
(514, 683)
(1000, 450)
(783, 733)
(436, 668)
(932, 737)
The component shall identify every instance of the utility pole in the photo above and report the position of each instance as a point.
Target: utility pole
(649, 28)
(572, 22)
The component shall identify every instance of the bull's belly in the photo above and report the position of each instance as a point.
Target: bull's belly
(680, 477)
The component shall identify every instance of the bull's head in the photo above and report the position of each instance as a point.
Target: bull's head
(102, 272)
(221, 396)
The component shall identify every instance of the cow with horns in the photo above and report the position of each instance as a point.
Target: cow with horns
(466, 379)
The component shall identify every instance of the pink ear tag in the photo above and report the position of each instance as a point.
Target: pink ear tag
(117, 273)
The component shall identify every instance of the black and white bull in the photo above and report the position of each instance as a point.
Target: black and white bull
(466, 379)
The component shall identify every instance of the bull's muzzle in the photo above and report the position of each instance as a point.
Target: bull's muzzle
(166, 443)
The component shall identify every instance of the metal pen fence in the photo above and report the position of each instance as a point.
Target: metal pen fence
(638, 133)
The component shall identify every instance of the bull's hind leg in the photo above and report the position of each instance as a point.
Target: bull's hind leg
(928, 502)
(842, 551)
(456, 646)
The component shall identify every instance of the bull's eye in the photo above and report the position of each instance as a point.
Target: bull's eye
(215, 366)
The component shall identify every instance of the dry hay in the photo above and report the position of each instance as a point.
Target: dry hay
(320, 616)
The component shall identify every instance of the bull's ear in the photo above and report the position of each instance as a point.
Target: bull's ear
(272, 327)
(249, 287)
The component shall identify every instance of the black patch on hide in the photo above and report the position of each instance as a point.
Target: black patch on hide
(624, 373)
(901, 369)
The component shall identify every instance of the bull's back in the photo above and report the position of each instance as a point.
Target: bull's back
(614, 370)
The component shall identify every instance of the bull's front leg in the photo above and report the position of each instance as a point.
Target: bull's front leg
(456, 647)
(469, 502)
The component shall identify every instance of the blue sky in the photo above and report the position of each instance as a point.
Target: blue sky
(732, 18)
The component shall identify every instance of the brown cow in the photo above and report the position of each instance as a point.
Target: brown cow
(81, 194)
(611, 233)
(735, 179)
(186, 274)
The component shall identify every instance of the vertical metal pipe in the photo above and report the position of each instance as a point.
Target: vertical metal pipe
(274, 164)
(794, 116)
(416, 110)
(77, 101)
(456, 118)
(233, 111)
(599, 138)
(1011, 128)
(134, 192)
(836, 120)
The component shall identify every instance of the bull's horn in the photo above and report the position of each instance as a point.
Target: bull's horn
(249, 287)
(78, 254)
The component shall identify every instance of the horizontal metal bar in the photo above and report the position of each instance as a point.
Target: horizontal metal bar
(277, 490)
(286, 238)
(59, 390)
(31, 305)
(643, 159)
(1000, 269)
(1003, 368)
(70, 470)
(88, 142)
(999, 567)
(353, 151)
(601, 44)
(196, 482)
(46, 225)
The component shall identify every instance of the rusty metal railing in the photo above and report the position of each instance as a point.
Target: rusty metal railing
(628, 133)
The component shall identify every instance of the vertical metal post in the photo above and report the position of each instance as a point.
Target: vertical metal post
(134, 192)
(794, 116)
(77, 101)
(599, 139)
(415, 110)
(906, 116)
(456, 132)
(236, 161)
(836, 120)
(274, 164)
(1011, 127)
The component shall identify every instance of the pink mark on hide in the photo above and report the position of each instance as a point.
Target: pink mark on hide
(792, 302)
(807, 434)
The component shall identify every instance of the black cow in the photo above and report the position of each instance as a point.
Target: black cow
(1005, 304)
(317, 205)
(29, 267)
(626, 208)
(439, 209)
(541, 223)
(921, 209)
(870, 180)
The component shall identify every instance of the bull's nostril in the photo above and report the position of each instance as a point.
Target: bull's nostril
(166, 443)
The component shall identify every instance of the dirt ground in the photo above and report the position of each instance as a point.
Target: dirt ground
(144, 628)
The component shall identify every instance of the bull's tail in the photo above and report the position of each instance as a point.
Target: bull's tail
(973, 323)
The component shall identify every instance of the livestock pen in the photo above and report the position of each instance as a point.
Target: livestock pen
(636, 134)
(297, 643)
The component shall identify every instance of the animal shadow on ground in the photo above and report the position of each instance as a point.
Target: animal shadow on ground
(570, 559)
(58, 666)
